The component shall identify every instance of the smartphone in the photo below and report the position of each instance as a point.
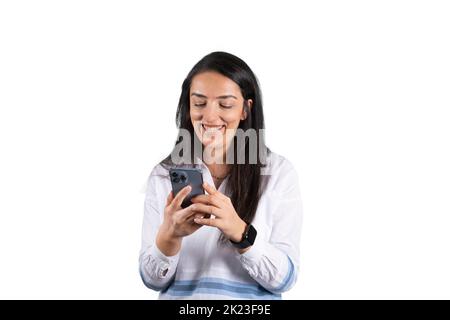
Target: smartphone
(182, 177)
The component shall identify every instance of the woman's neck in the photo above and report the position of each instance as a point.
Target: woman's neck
(217, 165)
(219, 171)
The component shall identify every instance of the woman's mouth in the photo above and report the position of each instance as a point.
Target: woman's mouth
(212, 129)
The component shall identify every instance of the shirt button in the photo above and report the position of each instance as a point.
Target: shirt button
(164, 268)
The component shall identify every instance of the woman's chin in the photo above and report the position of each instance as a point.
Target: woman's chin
(210, 143)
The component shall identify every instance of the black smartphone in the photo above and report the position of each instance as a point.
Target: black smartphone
(182, 177)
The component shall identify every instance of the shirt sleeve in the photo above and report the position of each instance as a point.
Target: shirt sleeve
(274, 264)
(156, 269)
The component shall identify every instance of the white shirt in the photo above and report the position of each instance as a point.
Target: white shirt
(204, 268)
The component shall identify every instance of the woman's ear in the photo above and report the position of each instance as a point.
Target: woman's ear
(247, 107)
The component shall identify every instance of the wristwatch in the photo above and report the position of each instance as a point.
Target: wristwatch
(248, 238)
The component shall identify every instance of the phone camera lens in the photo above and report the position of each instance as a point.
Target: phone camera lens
(183, 178)
(174, 174)
(176, 180)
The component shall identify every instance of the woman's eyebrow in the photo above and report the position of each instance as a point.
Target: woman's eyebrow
(226, 96)
(198, 95)
(219, 97)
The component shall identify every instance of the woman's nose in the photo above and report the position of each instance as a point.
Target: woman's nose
(210, 114)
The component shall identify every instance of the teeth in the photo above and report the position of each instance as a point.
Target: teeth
(212, 128)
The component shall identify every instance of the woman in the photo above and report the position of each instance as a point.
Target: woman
(240, 240)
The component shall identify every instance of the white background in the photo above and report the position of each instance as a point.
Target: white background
(356, 95)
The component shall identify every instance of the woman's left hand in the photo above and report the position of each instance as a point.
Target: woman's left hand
(219, 205)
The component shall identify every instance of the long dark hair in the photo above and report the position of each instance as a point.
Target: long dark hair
(245, 183)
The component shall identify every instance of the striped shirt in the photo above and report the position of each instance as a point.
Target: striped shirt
(206, 268)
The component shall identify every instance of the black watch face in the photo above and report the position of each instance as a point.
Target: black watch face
(248, 239)
(251, 235)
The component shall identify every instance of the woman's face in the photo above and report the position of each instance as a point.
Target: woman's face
(216, 108)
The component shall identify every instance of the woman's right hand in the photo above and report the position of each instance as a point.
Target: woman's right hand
(178, 223)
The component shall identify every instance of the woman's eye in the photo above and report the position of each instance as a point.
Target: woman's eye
(226, 106)
(199, 104)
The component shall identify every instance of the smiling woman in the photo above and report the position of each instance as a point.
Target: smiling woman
(239, 240)
(216, 116)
